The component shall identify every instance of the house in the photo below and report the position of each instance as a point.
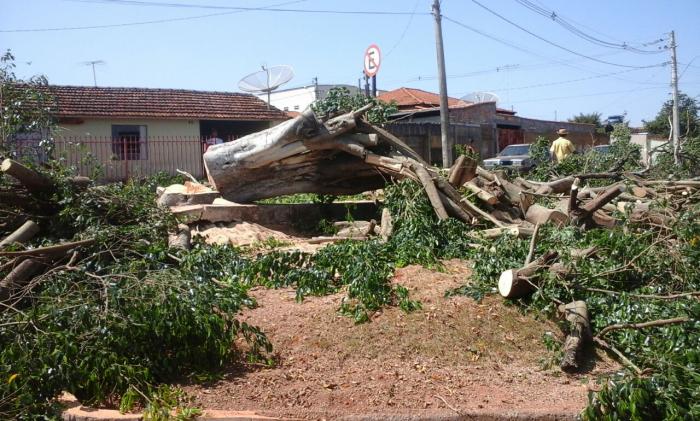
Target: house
(296, 100)
(138, 131)
(411, 99)
(484, 126)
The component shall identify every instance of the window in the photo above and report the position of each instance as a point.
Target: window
(296, 107)
(286, 108)
(129, 142)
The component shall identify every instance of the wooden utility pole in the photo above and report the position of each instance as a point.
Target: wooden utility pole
(444, 110)
(674, 84)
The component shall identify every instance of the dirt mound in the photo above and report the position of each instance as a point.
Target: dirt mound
(454, 352)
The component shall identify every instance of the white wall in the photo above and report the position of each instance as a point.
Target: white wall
(292, 99)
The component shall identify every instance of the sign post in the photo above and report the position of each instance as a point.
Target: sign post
(372, 61)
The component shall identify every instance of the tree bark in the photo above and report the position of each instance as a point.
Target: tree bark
(22, 234)
(19, 276)
(33, 181)
(576, 313)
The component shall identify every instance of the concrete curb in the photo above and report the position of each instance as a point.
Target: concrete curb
(76, 412)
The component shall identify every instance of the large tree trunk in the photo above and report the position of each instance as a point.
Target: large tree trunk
(301, 155)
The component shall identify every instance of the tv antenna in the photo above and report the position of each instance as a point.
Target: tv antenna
(267, 80)
(478, 97)
(93, 63)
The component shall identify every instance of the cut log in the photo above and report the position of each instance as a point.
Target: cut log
(79, 182)
(516, 283)
(430, 190)
(19, 276)
(22, 234)
(386, 225)
(576, 314)
(517, 231)
(33, 181)
(481, 193)
(537, 214)
(55, 251)
(562, 185)
(583, 214)
(181, 238)
(456, 171)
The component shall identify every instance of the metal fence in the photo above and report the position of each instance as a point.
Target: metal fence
(119, 158)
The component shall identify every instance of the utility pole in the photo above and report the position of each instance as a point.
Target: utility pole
(444, 110)
(674, 83)
(374, 86)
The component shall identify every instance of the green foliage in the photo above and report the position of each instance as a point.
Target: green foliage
(594, 118)
(622, 155)
(689, 166)
(629, 261)
(687, 117)
(339, 100)
(26, 104)
(123, 315)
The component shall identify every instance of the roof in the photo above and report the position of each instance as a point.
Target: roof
(411, 98)
(87, 101)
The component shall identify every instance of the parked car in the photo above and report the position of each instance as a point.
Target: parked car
(516, 157)
(602, 148)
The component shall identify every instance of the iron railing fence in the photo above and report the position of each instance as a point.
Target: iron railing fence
(107, 159)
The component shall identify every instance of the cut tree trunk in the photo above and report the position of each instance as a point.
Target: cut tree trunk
(22, 234)
(482, 194)
(34, 182)
(19, 276)
(576, 314)
(386, 226)
(537, 214)
(516, 283)
(181, 238)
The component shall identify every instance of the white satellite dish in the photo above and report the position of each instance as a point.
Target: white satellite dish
(266, 80)
(477, 97)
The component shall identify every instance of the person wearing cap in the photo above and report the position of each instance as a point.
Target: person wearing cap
(562, 147)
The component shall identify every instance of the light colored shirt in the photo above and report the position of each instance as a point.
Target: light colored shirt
(215, 141)
(561, 148)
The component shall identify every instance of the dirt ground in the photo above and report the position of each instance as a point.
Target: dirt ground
(455, 355)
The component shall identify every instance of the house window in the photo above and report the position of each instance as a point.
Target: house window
(129, 142)
(286, 108)
(296, 107)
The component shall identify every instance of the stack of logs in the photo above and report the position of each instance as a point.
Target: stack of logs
(510, 204)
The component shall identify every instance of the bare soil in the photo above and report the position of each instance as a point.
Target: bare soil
(454, 354)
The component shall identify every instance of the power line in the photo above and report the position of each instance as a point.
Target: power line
(526, 50)
(553, 43)
(563, 82)
(551, 14)
(242, 8)
(405, 30)
(147, 22)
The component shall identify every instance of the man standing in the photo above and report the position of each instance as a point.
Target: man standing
(214, 139)
(562, 147)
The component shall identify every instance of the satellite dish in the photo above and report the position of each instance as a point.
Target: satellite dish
(266, 80)
(477, 97)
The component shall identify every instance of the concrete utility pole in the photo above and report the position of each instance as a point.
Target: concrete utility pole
(674, 83)
(444, 109)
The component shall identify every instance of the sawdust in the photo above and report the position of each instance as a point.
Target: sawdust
(454, 352)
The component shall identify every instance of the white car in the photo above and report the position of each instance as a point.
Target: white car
(516, 157)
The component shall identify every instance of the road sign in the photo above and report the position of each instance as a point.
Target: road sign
(372, 60)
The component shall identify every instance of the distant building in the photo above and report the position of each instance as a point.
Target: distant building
(484, 126)
(649, 144)
(296, 100)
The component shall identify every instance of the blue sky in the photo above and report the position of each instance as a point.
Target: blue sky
(536, 78)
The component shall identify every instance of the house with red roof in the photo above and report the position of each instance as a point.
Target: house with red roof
(130, 131)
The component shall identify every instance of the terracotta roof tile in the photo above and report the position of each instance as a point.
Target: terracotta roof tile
(410, 98)
(84, 101)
